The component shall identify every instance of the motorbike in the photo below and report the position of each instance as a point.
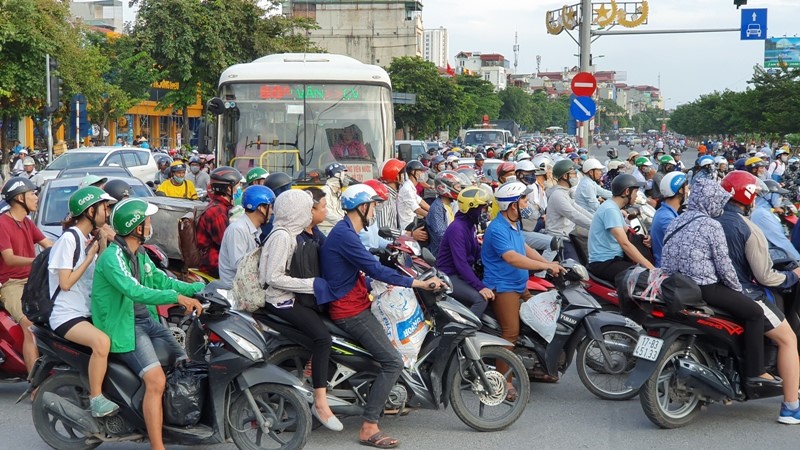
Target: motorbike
(602, 342)
(457, 363)
(12, 364)
(246, 398)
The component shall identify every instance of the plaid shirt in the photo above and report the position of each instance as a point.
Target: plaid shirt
(210, 230)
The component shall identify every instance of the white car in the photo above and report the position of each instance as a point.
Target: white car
(138, 161)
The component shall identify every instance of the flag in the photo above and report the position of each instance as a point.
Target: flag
(450, 70)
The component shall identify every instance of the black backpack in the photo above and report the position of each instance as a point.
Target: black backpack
(37, 304)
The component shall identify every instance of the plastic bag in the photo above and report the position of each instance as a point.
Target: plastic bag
(185, 393)
(541, 313)
(397, 309)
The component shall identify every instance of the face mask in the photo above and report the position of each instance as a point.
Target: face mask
(573, 181)
(784, 158)
(237, 196)
(440, 168)
(178, 180)
(529, 179)
(423, 178)
(195, 170)
(526, 212)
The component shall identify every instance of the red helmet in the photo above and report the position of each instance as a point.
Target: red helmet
(390, 172)
(449, 184)
(506, 168)
(743, 186)
(379, 188)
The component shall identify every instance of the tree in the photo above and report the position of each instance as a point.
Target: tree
(516, 106)
(481, 100)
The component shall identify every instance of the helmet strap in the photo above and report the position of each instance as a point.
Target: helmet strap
(363, 216)
(23, 203)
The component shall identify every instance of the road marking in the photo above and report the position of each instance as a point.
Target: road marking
(583, 108)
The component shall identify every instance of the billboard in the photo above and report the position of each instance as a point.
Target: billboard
(782, 50)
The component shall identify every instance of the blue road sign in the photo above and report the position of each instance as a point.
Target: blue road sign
(582, 108)
(754, 24)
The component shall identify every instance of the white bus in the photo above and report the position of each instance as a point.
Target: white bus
(297, 113)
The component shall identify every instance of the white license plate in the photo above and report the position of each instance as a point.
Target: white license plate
(648, 348)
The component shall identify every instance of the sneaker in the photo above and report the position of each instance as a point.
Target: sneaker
(102, 406)
(789, 416)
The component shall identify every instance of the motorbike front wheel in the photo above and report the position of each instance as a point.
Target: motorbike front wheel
(666, 401)
(286, 412)
(606, 377)
(494, 409)
(53, 431)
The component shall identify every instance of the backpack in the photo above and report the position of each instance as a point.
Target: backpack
(305, 264)
(247, 291)
(37, 304)
(187, 236)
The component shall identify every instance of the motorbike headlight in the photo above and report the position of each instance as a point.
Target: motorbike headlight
(252, 350)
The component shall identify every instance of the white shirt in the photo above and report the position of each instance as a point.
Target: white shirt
(75, 302)
(776, 167)
(240, 238)
(407, 204)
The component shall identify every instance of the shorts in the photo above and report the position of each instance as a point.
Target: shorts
(772, 314)
(144, 357)
(64, 328)
(11, 296)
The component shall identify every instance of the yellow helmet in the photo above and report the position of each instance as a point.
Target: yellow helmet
(472, 197)
(755, 161)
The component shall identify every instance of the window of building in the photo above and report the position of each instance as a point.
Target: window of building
(305, 10)
(487, 77)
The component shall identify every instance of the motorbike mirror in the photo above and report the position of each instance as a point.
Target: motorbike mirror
(428, 257)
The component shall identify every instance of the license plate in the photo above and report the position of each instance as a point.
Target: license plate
(648, 348)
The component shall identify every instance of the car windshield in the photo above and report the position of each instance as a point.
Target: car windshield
(484, 137)
(77, 159)
(57, 199)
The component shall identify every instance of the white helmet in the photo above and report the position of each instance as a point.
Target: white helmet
(591, 164)
(543, 160)
(510, 193)
(720, 160)
(522, 156)
(671, 183)
(525, 166)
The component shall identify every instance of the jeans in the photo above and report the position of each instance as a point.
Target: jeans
(540, 242)
(144, 358)
(366, 329)
(468, 296)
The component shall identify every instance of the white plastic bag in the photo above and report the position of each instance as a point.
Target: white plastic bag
(397, 309)
(541, 313)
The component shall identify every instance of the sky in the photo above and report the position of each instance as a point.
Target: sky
(689, 65)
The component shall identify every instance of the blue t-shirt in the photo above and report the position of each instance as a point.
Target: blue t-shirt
(499, 275)
(664, 216)
(602, 244)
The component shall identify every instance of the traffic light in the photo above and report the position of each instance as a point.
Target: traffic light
(55, 87)
(739, 3)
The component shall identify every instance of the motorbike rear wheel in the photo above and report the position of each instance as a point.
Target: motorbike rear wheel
(53, 431)
(470, 402)
(664, 401)
(603, 378)
(283, 406)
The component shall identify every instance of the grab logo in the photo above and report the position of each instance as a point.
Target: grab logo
(133, 220)
(86, 199)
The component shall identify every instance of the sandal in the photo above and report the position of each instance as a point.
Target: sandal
(512, 394)
(380, 440)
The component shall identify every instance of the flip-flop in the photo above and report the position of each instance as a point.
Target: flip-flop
(380, 440)
(512, 394)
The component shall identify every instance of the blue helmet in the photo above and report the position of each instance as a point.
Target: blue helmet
(705, 160)
(255, 196)
(333, 168)
(358, 195)
(438, 159)
(672, 183)
(739, 164)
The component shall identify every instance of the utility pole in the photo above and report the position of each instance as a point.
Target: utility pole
(516, 51)
(586, 52)
(47, 109)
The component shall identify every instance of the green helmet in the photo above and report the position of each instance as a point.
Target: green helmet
(84, 198)
(129, 214)
(256, 173)
(562, 167)
(642, 161)
(667, 159)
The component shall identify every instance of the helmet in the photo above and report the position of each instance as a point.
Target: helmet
(622, 182)
(773, 187)
(761, 155)
(255, 196)
(16, 186)
(778, 153)
(479, 157)
(472, 197)
(591, 164)
(739, 164)
(755, 161)
(334, 168)
(28, 161)
(92, 180)
(118, 190)
(225, 176)
(719, 160)
(413, 166)
(705, 160)
(509, 167)
(163, 162)
(471, 177)
(675, 151)
(379, 188)
(667, 159)
(633, 155)
(438, 159)
(612, 153)
(390, 172)
(358, 195)
(793, 160)
(195, 160)
(509, 193)
(448, 183)
(742, 186)
(129, 214)
(614, 165)
(581, 151)
(278, 182)
(84, 198)
(671, 183)
(562, 168)
(573, 156)
(522, 155)
(256, 173)
(642, 161)
(177, 166)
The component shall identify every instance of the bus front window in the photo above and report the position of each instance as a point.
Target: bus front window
(301, 128)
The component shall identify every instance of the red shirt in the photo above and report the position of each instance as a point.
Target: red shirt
(352, 304)
(210, 229)
(20, 237)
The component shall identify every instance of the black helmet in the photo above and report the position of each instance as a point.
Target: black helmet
(278, 182)
(163, 162)
(414, 165)
(225, 175)
(479, 157)
(333, 168)
(119, 189)
(562, 167)
(16, 186)
(612, 153)
(622, 182)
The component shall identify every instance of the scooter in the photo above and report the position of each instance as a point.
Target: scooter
(12, 364)
(246, 398)
(602, 341)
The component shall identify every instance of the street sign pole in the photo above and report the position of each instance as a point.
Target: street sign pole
(47, 108)
(586, 51)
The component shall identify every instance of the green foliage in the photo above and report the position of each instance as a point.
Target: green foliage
(481, 99)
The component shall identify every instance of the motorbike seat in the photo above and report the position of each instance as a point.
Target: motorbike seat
(332, 327)
(601, 281)
(490, 321)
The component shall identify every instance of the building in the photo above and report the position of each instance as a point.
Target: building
(436, 46)
(492, 67)
(371, 31)
(105, 14)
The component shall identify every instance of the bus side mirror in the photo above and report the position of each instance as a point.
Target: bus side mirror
(216, 106)
(404, 152)
(202, 137)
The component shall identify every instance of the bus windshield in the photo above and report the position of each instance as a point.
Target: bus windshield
(481, 137)
(301, 128)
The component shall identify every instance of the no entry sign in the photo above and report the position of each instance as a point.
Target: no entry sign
(584, 84)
